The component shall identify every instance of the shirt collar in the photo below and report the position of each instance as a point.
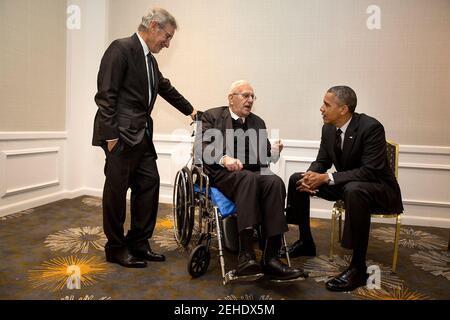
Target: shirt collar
(345, 126)
(235, 116)
(143, 44)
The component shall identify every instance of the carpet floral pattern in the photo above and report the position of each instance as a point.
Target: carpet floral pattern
(56, 252)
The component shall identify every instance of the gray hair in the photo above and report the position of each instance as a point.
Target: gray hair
(238, 83)
(161, 16)
(345, 96)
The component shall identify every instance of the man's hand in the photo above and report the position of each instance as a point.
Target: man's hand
(112, 144)
(232, 164)
(277, 146)
(194, 112)
(311, 181)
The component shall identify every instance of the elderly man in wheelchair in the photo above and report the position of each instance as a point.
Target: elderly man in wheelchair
(235, 154)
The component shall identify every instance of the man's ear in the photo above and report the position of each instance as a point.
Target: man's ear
(344, 110)
(230, 99)
(153, 26)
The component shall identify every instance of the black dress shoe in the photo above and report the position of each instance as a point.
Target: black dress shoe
(348, 280)
(277, 270)
(298, 248)
(247, 265)
(149, 255)
(124, 258)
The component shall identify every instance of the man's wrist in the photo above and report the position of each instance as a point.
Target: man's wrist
(330, 180)
(222, 160)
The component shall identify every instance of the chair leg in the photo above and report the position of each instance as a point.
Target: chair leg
(340, 227)
(333, 219)
(396, 241)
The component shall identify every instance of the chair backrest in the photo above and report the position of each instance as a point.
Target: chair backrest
(392, 155)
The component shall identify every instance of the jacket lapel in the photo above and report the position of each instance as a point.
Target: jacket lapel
(141, 66)
(331, 137)
(226, 120)
(350, 138)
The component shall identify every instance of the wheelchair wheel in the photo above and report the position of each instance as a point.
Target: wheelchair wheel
(199, 261)
(183, 207)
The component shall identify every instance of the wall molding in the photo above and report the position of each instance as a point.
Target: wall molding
(32, 135)
(9, 154)
(426, 203)
(20, 152)
(167, 183)
(424, 166)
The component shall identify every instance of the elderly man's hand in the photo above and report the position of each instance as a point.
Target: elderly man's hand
(277, 147)
(194, 112)
(311, 181)
(232, 164)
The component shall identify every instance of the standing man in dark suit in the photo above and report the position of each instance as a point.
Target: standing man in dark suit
(356, 145)
(236, 154)
(128, 82)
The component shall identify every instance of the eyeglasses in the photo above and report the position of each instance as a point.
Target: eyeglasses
(246, 96)
(167, 35)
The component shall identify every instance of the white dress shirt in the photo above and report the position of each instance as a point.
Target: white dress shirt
(146, 52)
(343, 129)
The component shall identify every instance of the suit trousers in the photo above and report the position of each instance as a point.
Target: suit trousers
(360, 198)
(135, 168)
(259, 199)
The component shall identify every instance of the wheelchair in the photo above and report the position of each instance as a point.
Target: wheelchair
(201, 213)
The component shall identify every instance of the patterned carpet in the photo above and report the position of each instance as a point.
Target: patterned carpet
(55, 252)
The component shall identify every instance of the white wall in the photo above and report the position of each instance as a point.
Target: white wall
(292, 51)
(40, 167)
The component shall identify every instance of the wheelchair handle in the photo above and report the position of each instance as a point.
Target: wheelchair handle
(197, 117)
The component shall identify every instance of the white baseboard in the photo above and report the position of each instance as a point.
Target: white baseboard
(31, 203)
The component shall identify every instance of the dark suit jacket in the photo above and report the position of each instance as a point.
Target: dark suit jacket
(363, 157)
(122, 98)
(220, 119)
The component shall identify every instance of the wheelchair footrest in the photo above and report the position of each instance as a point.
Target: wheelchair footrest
(231, 276)
(287, 281)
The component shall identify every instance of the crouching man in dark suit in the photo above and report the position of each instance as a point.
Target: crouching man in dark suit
(236, 153)
(356, 145)
(129, 81)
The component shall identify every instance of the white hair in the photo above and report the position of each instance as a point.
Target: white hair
(238, 83)
(159, 15)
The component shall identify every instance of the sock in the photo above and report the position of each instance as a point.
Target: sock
(246, 242)
(358, 260)
(273, 245)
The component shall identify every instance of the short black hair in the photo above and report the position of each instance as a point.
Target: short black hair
(346, 96)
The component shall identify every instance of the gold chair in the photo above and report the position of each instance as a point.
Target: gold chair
(339, 209)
